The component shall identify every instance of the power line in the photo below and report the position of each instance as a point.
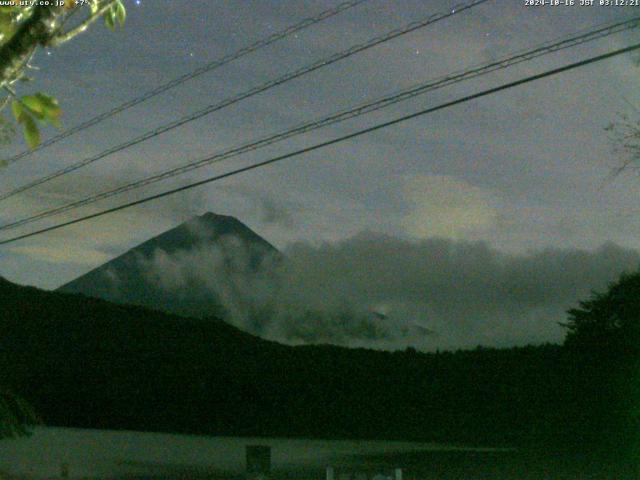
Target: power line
(249, 93)
(544, 49)
(307, 22)
(334, 141)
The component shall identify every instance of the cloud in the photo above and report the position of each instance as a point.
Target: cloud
(61, 254)
(443, 206)
(272, 211)
(83, 246)
(546, 179)
(380, 291)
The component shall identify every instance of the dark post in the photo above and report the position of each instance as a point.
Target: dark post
(258, 461)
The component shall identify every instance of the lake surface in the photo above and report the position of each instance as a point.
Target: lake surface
(121, 453)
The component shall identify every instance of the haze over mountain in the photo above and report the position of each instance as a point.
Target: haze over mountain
(150, 274)
(371, 290)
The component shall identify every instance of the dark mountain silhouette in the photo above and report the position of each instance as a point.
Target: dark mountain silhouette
(88, 363)
(143, 275)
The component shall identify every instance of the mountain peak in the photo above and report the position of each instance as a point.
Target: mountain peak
(215, 220)
(214, 216)
(140, 277)
(211, 226)
(211, 217)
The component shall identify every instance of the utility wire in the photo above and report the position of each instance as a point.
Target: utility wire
(362, 109)
(249, 93)
(307, 22)
(334, 141)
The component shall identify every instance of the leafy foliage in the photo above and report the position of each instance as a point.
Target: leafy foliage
(603, 336)
(624, 135)
(32, 111)
(16, 414)
(32, 108)
(610, 319)
(115, 15)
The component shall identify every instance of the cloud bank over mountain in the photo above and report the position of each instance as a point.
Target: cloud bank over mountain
(379, 291)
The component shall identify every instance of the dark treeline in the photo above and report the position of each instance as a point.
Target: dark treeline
(84, 362)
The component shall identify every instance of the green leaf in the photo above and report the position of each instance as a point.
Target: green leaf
(121, 13)
(115, 15)
(110, 19)
(31, 132)
(47, 100)
(18, 111)
(35, 106)
(50, 109)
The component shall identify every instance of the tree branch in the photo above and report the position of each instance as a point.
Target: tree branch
(35, 31)
(61, 38)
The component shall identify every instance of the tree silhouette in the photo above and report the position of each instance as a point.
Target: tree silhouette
(609, 320)
(16, 415)
(603, 339)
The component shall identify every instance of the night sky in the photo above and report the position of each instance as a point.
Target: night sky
(516, 183)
